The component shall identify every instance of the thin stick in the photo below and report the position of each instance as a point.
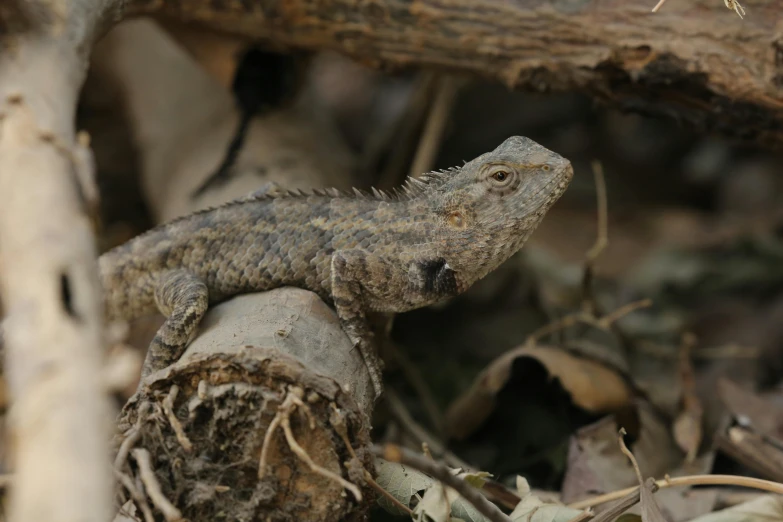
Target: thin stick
(418, 432)
(610, 318)
(152, 486)
(630, 456)
(302, 454)
(419, 385)
(441, 472)
(692, 480)
(658, 6)
(386, 494)
(168, 409)
(432, 135)
(602, 235)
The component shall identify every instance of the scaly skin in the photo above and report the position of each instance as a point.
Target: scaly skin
(359, 252)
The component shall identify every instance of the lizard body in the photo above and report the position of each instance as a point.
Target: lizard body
(359, 252)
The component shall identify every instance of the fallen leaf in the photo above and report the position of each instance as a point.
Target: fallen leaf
(596, 465)
(435, 505)
(402, 482)
(751, 411)
(766, 508)
(651, 512)
(592, 386)
(432, 498)
(533, 509)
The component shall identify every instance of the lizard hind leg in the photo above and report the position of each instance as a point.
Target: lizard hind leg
(183, 299)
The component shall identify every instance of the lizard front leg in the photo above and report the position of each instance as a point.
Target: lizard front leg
(183, 299)
(350, 272)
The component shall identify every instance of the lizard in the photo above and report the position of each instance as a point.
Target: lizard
(362, 251)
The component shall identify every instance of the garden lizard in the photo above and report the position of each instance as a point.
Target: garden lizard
(360, 252)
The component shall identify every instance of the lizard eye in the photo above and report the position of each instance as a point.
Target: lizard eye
(501, 176)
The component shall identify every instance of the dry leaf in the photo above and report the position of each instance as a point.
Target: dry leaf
(533, 509)
(402, 482)
(751, 411)
(435, 506)
(406, 484)
(767, 508)
(651, 512)
(591, 385)
(596, 464)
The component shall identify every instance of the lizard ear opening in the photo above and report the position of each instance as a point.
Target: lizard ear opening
(456, 219)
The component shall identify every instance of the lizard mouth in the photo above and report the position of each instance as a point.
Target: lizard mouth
(562, 180)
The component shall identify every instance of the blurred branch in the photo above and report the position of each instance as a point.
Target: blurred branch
(689, 63)
(60, 414)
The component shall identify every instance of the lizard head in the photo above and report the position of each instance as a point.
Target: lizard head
(489, 207)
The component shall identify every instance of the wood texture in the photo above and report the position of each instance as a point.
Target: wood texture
(694, 60)
(59, 420)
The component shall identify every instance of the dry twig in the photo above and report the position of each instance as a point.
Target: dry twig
(586, 318)
(418, 432)
(441, 472)
(419, 385)
(391, 498)
(432, 135)
(691, 480)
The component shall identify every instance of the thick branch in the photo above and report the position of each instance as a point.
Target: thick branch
(59, 417)
(694, 60)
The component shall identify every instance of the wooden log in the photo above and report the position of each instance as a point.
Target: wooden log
(694, 60)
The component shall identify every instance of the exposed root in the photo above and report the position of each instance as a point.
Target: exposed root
(152, 486)
(132, 436)
(283, 418)
(168, 409)
(135, 494)
(302, 454)
(267, 440)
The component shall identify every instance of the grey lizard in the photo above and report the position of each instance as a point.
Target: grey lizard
(360, 252)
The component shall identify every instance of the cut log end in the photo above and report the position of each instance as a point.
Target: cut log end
(207, 457)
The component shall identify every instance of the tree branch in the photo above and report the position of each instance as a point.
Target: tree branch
(694, 61)
(59, 417)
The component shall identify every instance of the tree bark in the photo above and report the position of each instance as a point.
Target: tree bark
(694, 60)
(59, 419)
